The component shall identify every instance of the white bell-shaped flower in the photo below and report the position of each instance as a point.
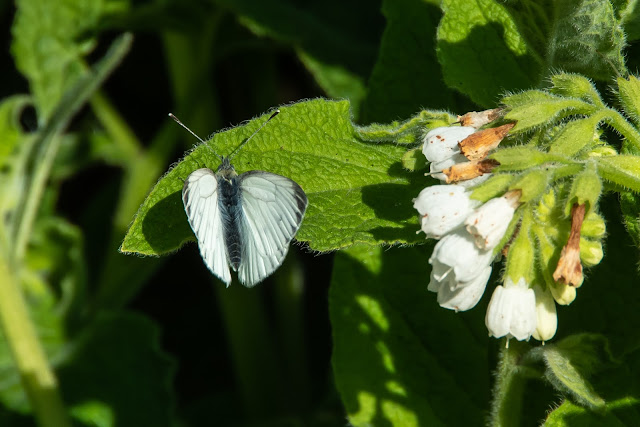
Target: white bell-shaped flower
(442, 143)
(443, 208)
(457, 258)
(512, 311)
(547, 318)
(490, 221)
(465, 295)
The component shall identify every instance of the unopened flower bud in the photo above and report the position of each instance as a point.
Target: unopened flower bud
(547, 318)
(563, 294)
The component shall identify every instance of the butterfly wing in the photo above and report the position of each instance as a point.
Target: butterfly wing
(200, 198)
(272, 210)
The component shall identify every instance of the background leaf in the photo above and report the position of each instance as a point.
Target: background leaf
(394, 362)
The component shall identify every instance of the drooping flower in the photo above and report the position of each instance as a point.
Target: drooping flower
(512, 311)
(462, 296)
(489, 222)
(443, 208)
(457, 259)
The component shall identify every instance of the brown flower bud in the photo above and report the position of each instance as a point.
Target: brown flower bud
(569, 269)
(478, 119)
(477, 145)
(469, 170)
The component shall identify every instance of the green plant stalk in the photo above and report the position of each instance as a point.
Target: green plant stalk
(120, 133)
(509, 388)
(48, 141)
(37, 376)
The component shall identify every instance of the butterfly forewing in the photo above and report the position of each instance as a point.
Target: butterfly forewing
(272, 210)
(201, 203)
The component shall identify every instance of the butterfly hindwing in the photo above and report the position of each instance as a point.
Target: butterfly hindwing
(272, 210)
(201, 203)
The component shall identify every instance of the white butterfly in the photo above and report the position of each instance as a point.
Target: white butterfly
(244, 221)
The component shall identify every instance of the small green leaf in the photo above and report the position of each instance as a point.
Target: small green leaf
(519, 158)
(482, 52)
(569, 414)
(50, 40)
(571, 361)
(623, 170)
(576, 86)
(532, 184)
(358, 192)
(575, 135)
(585, 189)
(392, 351)
(535, 108)
(629, 95)
(493, 187)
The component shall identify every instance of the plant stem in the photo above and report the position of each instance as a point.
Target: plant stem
(37, 377)
(509, 388)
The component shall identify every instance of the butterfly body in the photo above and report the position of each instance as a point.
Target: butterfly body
(244, 221)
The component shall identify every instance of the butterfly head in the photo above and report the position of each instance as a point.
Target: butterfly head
(226, 169)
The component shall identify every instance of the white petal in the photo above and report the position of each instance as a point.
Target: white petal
(466, 295)
(442, 143)
(443, 208)
(458, 250)
(512, 311)
(490, 221)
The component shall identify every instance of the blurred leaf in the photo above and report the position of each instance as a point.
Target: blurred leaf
(398, 357)
(10, 130)
(50, 38)
(358, 192)
(117, 363)
(407, 76)
(482, 52)
(586, 38)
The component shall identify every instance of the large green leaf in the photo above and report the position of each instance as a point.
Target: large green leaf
(358, 192)
(398, 358)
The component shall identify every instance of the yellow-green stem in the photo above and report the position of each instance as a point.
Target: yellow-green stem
(37, 376)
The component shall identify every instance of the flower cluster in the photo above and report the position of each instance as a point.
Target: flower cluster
(471, 234)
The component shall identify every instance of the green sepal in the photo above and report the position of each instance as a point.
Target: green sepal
(520, 158)
(591, 252)
(629, 96)
(520, 260)
(414, 160)
(410, 131)
(535, 108)
(493, 187)
(623, 170)
(585, 189)
(574, 136)
(575, 86)
(532, 184)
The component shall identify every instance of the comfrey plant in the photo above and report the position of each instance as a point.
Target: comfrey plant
(522, 183)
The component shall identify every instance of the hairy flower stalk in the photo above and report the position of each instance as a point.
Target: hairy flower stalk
(569, 269)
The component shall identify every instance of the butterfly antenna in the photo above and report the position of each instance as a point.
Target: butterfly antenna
(275, 113)
(193, 133)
